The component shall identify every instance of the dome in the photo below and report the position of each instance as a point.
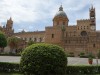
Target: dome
(60, 13)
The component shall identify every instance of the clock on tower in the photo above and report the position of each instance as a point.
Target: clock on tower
(93, 27)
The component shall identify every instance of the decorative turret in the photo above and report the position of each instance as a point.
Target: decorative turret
(60, 18)
(92, 18)
(9, 23)
(9, 27)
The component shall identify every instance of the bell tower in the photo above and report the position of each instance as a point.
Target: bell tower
(92, 18)
(9, 25)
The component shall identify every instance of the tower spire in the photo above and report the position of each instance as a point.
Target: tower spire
(10, 19)
(92, 17)
(92, 4)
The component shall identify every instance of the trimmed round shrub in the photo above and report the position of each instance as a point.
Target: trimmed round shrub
(43, 59)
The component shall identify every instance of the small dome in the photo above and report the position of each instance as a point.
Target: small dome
(60, 13)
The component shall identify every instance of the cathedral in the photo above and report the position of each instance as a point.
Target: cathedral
(82, 37)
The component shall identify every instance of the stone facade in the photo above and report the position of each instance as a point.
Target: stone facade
(36, 36)
(82, 37)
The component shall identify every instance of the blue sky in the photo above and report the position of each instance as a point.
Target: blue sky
(33, 15)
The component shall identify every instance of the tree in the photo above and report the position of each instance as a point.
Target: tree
(43, 59)
(13, 43)
(30, 42)
(3, 40)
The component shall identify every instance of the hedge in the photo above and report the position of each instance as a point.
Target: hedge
(71, 54)
(9, 54)
(83, 69)
(9, 67)
(14, 67)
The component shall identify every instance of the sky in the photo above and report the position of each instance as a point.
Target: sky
(35, 15)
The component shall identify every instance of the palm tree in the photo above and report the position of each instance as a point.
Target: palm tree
(30, 42)
(13, 43)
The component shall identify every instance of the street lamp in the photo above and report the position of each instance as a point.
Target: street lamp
(97, 62)
(63, 30)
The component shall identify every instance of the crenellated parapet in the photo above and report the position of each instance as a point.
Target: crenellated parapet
(83, 20)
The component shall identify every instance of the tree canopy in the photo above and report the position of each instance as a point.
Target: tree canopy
(3, 40)
(30, 42)
(13, 42)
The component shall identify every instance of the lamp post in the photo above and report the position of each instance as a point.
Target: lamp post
(97, 62)
(63, 30)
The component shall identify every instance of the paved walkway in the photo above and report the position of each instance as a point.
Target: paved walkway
(15, 59)
(80, 61)
(71, 60)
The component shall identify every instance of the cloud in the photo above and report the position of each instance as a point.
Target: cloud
(22, 10)
(30, 13)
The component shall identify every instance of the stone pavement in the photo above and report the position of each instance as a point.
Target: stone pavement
(71, 60)
(81, 61)
(15, 59)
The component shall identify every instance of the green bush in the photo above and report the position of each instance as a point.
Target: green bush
(9, 67)
(71, 54)
(70, 70)
(30, 42)
(43, 59)
(10, 54)
(83, 55)
(83, 70)
(91, 55)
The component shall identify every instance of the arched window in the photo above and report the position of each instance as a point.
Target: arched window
(63, 23)
(66, 34)
(35, 39)
(52, 35)
(40, 39)
(83, 33)
(30, 38)
(93, 45)
(78, 28)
